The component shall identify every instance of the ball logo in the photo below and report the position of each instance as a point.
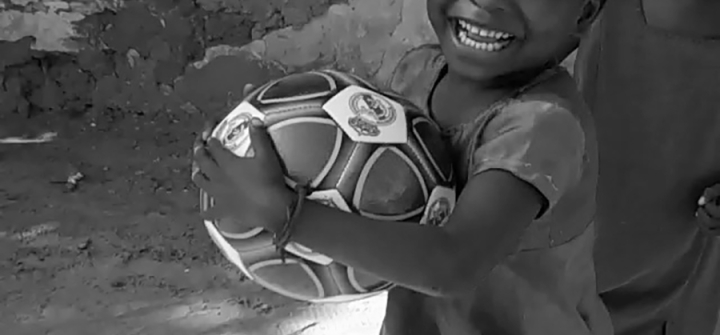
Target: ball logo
(438, 212)
(237, 132)
(370, 112)
(327, 202)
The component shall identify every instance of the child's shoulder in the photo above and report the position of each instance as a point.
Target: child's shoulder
(556, 93)
(417, 68)
(552, 107)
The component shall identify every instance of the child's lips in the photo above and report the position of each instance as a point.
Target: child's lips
(480, 32)
(486, 19)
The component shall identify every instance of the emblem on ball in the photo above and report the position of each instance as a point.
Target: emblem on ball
(237, 134)
(371, 111)
(438, 212)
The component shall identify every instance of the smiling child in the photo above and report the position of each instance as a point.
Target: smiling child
(515, 255)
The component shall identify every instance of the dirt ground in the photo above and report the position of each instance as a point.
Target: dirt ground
(124, 252)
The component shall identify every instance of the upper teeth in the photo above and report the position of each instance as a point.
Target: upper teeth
(475, 30)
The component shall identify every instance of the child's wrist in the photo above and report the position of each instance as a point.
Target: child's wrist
(276, 218)
(282, 234)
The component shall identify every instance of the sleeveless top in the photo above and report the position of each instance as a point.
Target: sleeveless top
(542, 134)
(655, 98)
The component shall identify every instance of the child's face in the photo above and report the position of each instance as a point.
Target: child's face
(484, 39)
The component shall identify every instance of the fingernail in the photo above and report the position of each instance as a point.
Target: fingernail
(702, 201)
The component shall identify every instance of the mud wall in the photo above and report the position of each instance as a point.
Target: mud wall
(152, 56)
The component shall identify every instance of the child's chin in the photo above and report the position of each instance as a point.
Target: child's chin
(472, 71)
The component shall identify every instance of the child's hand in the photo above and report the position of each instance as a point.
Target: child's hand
(250, 190)
(709, 210)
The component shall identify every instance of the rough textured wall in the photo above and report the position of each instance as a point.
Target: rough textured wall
(169, 55)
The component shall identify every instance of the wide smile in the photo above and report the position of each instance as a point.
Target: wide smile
(477, 37)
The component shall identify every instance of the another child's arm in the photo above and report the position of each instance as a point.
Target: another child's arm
(694, 18)
(527, 157)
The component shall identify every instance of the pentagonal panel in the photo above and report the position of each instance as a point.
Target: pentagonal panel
(233, 130)
(308, 147)
(439, 206)
(367, 116)
(331, 198)
(390, 187)
(291, 278)
(298, 87)
(429, 137)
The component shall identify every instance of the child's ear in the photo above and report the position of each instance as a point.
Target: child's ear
(590, 12)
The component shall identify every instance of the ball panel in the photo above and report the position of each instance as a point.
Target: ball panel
(294, 137)
(365, 282)
(390, 186)
(367, 116)
(439, 206)
(281, 112)
(334, 155)
(351, 159)
(291, 278)
(307, 254)
(230, 253)
(416, 153)
(233, 130)
(331, 198)
(297, 87)
(428, 136)
(243, 239)
(228, 228)
(350, 79)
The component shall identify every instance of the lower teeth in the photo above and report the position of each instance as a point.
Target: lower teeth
(485, 46)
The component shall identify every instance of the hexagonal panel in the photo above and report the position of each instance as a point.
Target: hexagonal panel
(439, 206)
(308, 146)
(367, 116)
(390, 187)
(291, 278)
(233, 129)
(298, 87)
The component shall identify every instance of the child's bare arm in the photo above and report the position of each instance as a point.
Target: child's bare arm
(695, 18)
(486, 225)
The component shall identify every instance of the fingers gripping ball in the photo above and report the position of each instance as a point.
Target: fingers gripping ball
(360, 151)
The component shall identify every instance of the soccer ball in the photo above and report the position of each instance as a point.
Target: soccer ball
(361, 151)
